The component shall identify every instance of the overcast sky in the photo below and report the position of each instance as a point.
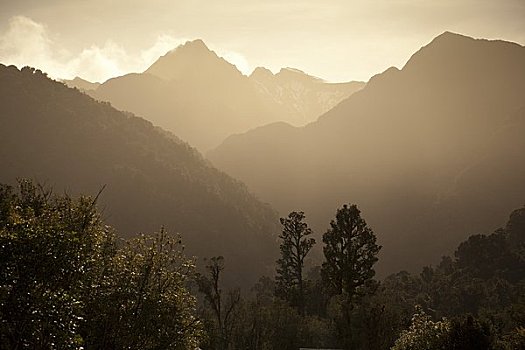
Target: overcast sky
(336, 40)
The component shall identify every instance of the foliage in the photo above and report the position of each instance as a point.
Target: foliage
(223, 309)
(515, 340)
(424, 334)
(52, 253)
(481, 289)
(294, 248)
(468, 333)
(464, 333)
(272, 326)
(264, 322)
(484, 278)
(350, 251)
(66, 284)
(143, 303)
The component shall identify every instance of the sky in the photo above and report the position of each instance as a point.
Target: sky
(337, 40)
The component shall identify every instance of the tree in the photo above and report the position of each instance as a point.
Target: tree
(52, 250)
(294, 247)
(424, 334)
(350, 251)
(143, 302)
(65, 284)
(223, 311)
(468, 333)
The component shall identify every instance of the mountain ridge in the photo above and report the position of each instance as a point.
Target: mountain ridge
(81, 84)
(203, 98)
(179, 62)
(396, 146)
(153, 179)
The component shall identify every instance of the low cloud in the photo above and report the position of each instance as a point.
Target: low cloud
(237, 59)
(28, 43)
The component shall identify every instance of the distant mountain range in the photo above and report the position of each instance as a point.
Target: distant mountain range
(63, 137)
(431, 153)
(301, 97)
(203, 99)
(81, 84)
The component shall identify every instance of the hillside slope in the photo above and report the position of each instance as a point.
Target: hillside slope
(65, 138)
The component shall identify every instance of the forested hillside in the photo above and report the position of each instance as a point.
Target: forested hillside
(66, 139)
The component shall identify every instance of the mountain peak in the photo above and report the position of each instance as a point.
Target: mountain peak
(194, 48)
(449, 54)
(451, 35)
(446, 42)
(81, 84)
(290, 70)
(261, 73)
(450, 38)
(295, 74)
(193, 45)
(192, 56)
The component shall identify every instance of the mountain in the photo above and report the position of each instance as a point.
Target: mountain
(195, 62)
(302, 97)
(65, 138)
(203, 98)
(431, 152)
(192, 92)
(81, 84)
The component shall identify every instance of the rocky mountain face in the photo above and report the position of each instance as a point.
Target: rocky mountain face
(302, 97)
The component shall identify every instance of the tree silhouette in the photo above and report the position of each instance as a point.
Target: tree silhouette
(222, 310)
(351, 252)
(294, 247)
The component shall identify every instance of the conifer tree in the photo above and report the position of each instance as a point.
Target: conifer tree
(350, 251)
(294, 247)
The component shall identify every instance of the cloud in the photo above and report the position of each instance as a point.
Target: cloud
(163, 44)
(236, 59)
(25, 43)
(28, 43)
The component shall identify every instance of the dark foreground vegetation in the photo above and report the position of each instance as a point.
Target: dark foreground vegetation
(68, 282)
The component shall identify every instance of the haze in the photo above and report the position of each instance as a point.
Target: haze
(336, 40)
(232, 175)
